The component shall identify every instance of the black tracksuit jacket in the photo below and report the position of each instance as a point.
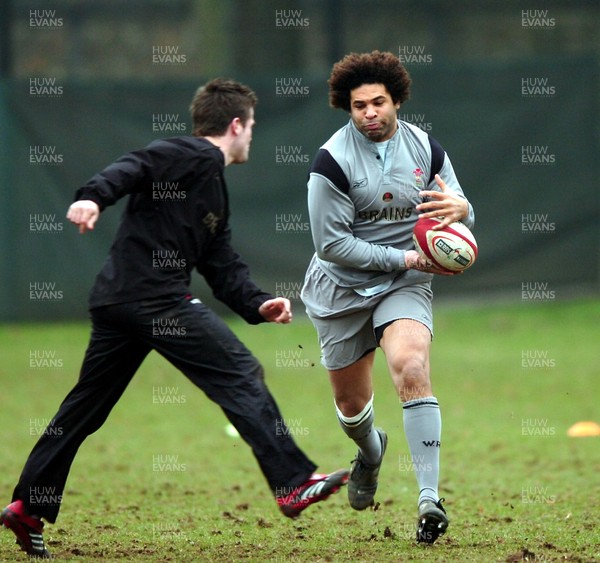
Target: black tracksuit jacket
(176, 220)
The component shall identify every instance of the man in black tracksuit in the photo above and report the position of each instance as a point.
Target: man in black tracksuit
(176, 220)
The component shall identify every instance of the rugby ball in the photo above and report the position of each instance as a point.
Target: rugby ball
(452, 248)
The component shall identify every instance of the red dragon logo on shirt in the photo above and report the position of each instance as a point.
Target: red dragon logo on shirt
(419, 178)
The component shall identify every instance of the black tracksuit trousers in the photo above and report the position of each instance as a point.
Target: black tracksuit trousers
(197, 342)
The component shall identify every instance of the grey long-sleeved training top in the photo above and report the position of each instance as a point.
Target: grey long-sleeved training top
(362, 205)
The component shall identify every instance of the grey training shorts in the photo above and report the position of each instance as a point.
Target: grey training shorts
(346, 321)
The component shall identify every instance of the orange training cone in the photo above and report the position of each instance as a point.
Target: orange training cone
(584, 429)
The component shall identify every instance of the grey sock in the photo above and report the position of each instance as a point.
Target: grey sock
(423, 429)
(360, 429)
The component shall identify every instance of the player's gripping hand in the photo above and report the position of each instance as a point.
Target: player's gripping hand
(414, 261)
(278, 310)
(84, 213)
(444, 204)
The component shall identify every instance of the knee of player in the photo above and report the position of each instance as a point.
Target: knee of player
(411, 377)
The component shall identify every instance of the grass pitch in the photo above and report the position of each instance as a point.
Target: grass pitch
(162, 481)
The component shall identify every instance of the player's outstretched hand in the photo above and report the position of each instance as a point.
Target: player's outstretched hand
(278, 310)
(444, 204)
(414, 261)
(84, 213)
